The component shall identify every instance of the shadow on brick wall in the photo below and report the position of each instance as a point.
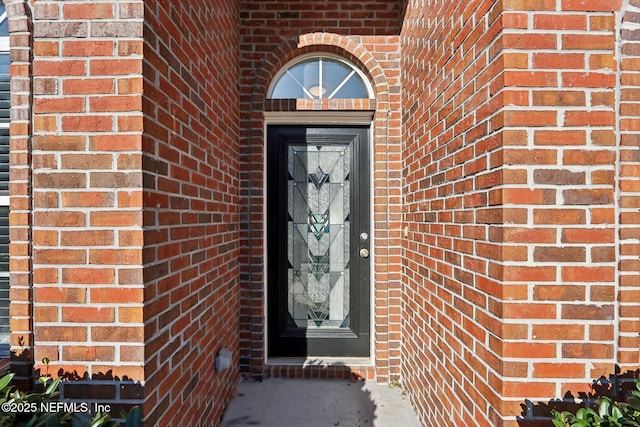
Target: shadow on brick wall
(105, 391)
(21, 365)
(616, 387)
(121, 394)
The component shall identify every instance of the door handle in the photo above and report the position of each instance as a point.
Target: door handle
(364, 253)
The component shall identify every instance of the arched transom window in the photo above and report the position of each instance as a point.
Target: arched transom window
(320, 77)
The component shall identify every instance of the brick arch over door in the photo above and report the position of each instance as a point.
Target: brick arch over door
(20, 28)
(323, 43)
(384, 79)
(628, 33)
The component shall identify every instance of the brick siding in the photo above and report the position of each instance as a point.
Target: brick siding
(86, 196)
(506, 193)
(20, 191)
(511, 200)
(134, 255)
(629, 186)
(452, 100)
(191, 199)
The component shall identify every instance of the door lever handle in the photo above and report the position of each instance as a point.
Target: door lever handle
(364, 253)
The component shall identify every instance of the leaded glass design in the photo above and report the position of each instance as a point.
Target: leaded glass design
(318, 235)
(320, 78)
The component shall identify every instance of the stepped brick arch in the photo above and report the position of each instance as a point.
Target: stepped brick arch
(366, 54)
(328, 43)
(629, 184)
(20, 28)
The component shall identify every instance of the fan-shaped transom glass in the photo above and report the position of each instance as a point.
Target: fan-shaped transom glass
(320, 77)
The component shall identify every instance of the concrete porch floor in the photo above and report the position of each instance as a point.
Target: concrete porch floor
(318, 403)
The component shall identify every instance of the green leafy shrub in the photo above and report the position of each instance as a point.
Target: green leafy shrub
(607, 413)
(25, 409)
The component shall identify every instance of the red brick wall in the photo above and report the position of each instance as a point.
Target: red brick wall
(20, 191)
(137, 198)
(629, 185)
(86, 223)
(511, 264)
(366, 33)
(452, 154)
(129, 218)
(191, 198)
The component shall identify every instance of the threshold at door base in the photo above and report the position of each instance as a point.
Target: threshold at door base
(339, 368)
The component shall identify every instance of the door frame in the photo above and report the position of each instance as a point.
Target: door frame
(320, 118)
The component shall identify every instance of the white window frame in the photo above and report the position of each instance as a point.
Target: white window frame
(315, 56)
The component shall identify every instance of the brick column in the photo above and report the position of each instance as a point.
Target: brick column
(512, 257)
(20, 27)
(87, 198)
(629, 186)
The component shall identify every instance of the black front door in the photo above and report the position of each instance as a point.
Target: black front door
(318, 241)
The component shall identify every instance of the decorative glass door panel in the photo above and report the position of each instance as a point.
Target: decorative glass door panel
(317, 229)
(318, 219)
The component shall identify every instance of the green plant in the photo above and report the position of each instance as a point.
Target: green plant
(607, 413)
(46, 410)
(395, 384)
